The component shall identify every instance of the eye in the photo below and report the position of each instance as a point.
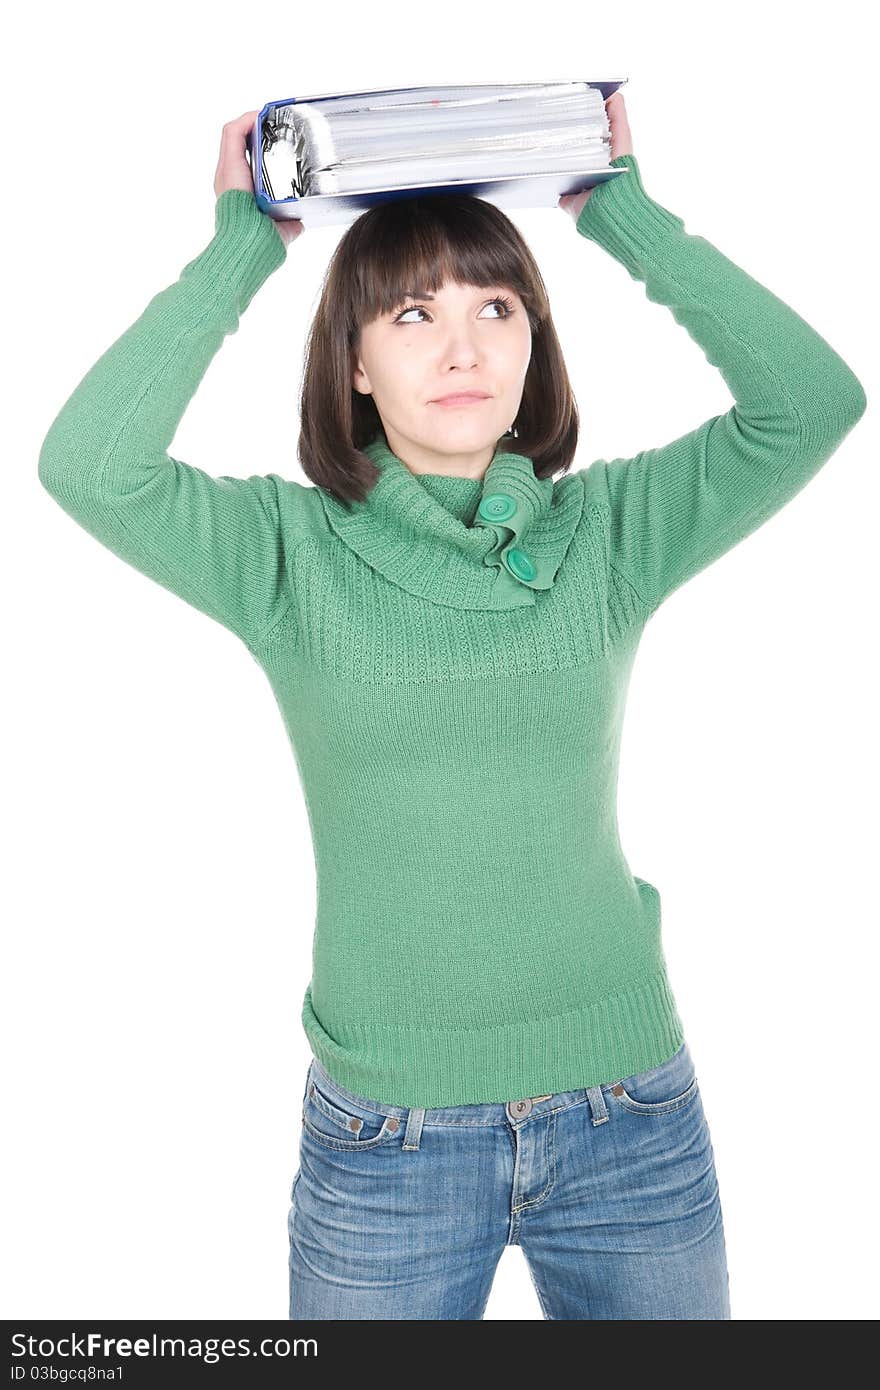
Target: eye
(507, 305)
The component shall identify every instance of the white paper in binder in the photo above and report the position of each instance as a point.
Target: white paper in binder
(325, 159)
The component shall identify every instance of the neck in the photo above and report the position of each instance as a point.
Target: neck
(425, 462)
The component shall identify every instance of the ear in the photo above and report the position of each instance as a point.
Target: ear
(359, 379)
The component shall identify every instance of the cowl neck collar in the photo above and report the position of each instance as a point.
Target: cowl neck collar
(492, 543)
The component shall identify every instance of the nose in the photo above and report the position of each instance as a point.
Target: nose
(462, 355)
(460, 347)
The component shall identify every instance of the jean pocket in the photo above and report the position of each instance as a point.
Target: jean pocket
(340, 1122)
(670, 1086)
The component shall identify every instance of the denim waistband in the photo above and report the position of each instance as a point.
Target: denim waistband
(678, 1066)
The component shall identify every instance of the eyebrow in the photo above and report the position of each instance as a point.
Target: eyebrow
(425, 294)
(422, 294)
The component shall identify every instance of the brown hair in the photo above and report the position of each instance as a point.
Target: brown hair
(416, 245)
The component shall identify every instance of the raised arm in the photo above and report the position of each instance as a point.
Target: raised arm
(678, 507)
(214, 541)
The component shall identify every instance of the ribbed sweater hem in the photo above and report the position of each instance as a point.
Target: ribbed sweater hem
(601, 1042)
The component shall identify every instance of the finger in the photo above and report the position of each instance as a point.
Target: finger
(621, 136)
(573, 203)
(233, 166)
(246, 119)
(235, 132)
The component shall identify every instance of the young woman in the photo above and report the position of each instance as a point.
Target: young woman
(448, 616)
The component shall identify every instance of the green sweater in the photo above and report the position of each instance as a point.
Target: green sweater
(451, 658)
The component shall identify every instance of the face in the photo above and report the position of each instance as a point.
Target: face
(464, 338)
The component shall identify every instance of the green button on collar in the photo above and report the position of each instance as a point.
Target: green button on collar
(519, 564)
(497, 506)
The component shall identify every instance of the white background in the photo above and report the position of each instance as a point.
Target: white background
(159, 883)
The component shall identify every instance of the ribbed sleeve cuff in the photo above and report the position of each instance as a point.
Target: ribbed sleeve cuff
(623, 219)
(246, 248)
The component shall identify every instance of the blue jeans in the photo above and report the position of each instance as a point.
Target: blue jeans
(398, 1212)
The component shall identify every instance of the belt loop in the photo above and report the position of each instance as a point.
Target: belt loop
(414, 1121)
(597, 1104)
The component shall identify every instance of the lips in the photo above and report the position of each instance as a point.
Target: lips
(462, 398)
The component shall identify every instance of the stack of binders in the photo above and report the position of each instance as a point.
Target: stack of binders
(325, 159)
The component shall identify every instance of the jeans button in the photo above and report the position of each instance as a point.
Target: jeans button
(518, 1109)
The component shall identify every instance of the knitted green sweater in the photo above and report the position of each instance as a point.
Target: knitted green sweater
(451, 658)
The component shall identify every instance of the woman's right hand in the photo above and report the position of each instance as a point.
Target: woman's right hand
(234, 171)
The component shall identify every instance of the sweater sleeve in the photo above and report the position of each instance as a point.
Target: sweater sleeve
(214, 541)
(676, 508)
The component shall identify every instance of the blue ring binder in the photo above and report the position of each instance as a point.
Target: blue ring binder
(505, 190)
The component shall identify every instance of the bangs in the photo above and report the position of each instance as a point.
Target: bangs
(412, 247)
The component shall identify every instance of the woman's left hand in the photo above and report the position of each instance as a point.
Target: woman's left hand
(621, 143)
